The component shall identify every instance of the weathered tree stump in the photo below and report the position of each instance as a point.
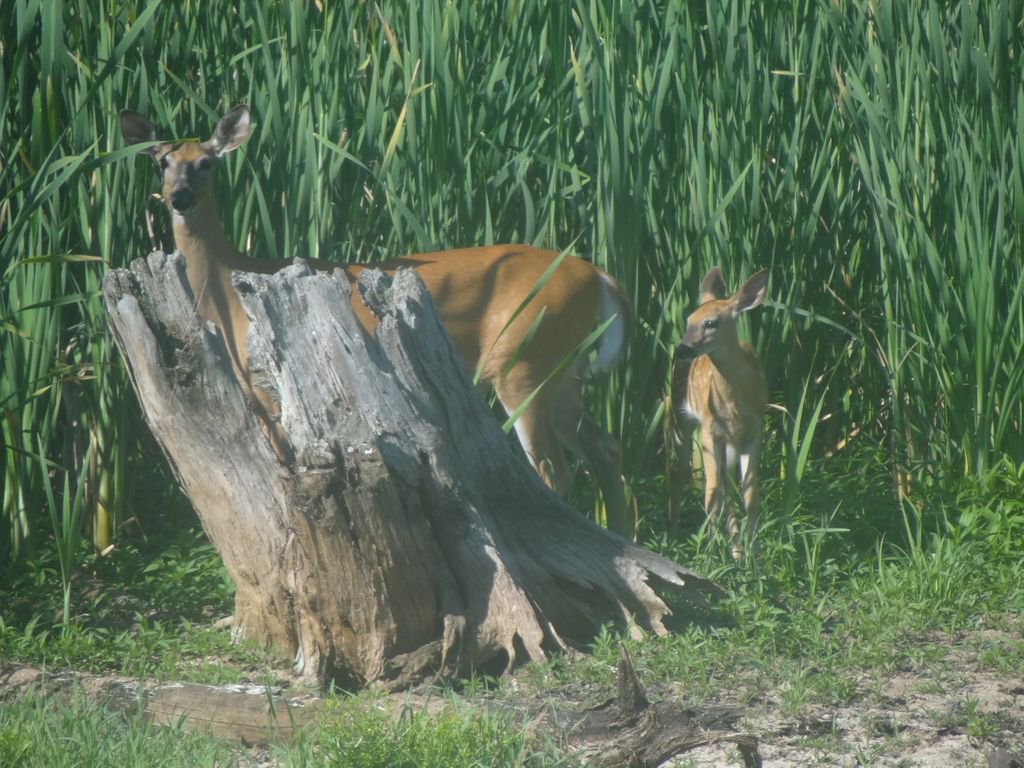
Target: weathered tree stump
(409, 536)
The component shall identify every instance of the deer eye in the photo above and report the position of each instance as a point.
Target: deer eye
(204, 164)
(164, 163)
(711, 323)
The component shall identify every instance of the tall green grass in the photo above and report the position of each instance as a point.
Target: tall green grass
(868, 153)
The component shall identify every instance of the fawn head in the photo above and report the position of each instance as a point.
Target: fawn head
(712, 326)
(186, 167)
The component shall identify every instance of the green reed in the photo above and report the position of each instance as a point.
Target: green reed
(868, 153)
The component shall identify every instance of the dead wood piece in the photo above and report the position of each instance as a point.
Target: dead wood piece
(632, 700)
(631, 731)
(250, 714)
(665, 729)
(747, 745)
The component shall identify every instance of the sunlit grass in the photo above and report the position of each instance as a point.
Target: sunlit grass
(71, 730)
(37, 731)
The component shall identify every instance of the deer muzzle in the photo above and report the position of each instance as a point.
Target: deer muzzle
(183, 200)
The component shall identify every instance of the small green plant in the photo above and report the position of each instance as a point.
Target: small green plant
(360, 736)
(15, 744)
(800, 427)
(966, 716)
(992, 509)
(1004, 656)
(979, 725)
(66, 520)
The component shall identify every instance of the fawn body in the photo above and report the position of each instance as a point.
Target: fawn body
(725, 393)
(477, 292)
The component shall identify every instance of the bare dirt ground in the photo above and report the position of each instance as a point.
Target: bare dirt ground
(952, 713)
(907, 727)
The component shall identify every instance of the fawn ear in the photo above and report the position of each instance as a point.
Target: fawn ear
(231, 132)
(752, 292)
(712, 287)
(135, 129)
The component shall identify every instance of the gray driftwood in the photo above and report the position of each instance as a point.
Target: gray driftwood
(246, 712)
(409, 536)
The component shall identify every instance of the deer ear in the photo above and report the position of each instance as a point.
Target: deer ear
(231, 132)
(752, 292)
(135, 129)
(712, 287)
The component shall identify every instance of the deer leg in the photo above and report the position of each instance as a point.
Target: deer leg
(716, 494)
(733, 526)
(750, 492)
(679, 449)
(537, 436)
(678, 441)
(602, 456)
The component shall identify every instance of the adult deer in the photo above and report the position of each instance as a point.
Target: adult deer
(477, 292)
(726, 394)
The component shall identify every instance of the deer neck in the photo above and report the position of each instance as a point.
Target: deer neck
(209, 260)
(728, 356)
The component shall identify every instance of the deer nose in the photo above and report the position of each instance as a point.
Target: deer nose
(183, 200)
(684, 351)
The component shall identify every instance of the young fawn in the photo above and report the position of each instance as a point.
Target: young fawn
(724, 392)
(477, 292)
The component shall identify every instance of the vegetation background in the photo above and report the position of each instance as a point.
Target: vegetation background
(868, 153)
